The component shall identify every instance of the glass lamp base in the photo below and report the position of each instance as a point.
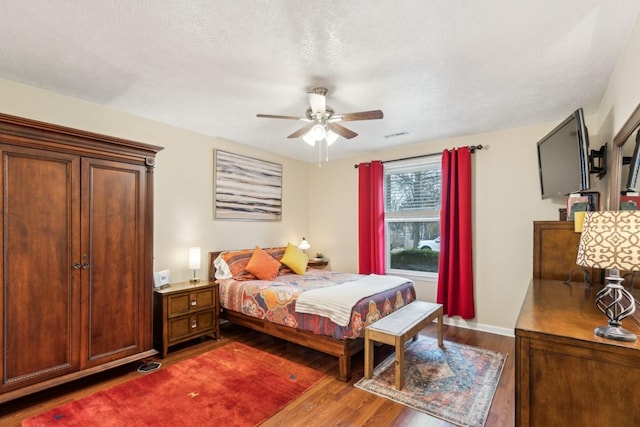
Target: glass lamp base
(615, 333)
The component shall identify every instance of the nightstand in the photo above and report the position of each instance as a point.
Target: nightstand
(185, 311)
(318, 263)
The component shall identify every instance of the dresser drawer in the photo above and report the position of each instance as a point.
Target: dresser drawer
(188, 302)
(194, 324)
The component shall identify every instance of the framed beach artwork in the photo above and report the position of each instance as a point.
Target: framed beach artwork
(246, 189)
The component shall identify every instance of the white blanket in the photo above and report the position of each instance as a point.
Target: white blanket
(337, 302)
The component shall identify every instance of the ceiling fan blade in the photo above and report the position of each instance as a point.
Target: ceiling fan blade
(272, 116)
(301, 131)
(362, 115)
(317, 102)
(342, 131)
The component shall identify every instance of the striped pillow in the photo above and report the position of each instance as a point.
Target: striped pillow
(237, 262)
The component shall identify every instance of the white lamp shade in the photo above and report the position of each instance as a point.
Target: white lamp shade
(194, 258)
(304, 245)
(331, 137)
(309, 138)
(318, 132)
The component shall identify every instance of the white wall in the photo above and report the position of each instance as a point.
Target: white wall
(183, 178)
(321, 203)
(506, 200)
(623, 91)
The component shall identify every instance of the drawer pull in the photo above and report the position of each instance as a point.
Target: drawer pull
(194, 302)
(194, 324)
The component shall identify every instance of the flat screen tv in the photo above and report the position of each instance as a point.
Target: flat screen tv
(634, 166)
(563, 158)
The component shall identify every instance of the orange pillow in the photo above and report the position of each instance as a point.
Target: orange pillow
(263, 265)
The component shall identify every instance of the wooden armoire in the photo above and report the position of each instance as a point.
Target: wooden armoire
(77, 254)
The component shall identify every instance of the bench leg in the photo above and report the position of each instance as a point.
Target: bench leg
(440, 341)
(399, 362)
(368, 356)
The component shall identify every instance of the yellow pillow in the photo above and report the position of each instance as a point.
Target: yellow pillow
(295, 259)
(263, 265)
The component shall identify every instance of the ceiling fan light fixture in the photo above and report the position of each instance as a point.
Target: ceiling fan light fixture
(309, 138)
(331, 137)
(318, 132)
(321, 126)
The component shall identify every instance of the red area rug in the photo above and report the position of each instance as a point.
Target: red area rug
(234, 385)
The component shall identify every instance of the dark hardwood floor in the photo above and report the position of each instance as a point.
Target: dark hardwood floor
(329, 403)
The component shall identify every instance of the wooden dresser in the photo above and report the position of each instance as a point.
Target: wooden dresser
(565, 375)
(555, 248)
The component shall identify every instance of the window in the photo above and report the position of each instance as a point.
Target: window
(412, 215)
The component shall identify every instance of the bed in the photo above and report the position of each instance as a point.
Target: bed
(269, 306)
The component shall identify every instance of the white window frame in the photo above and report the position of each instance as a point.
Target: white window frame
(426, 162)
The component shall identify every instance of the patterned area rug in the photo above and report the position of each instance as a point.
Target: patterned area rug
(233, 385)
(456, 383)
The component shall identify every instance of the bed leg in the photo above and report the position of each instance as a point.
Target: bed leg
(344, 364)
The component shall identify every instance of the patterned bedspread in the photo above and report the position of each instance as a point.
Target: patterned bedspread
(275, 301)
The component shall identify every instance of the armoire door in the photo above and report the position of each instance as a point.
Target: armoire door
(40, 272)
(115, 293)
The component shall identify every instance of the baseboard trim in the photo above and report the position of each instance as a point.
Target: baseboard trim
(461, 323)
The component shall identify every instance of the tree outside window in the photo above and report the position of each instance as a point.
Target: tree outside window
(412, 190)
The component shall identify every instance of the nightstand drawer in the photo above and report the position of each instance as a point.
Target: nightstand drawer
(195, 324)
(189, 302)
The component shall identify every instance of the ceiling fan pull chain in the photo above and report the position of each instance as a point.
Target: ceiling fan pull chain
(326, 147)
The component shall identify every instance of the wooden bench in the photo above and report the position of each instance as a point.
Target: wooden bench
(396, 328)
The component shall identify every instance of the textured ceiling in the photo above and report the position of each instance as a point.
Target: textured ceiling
(436, 68)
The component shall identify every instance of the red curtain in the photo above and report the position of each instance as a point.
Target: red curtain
(371, 218)
(455, 271)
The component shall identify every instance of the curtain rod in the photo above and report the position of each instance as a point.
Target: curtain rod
(472, 149)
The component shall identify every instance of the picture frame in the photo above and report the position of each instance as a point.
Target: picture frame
(588, 201)
(629, 203)
(246, 189)
(162, 279)
(594, 200)
(576, 203)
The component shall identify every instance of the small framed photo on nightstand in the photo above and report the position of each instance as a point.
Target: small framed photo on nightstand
(161, 279)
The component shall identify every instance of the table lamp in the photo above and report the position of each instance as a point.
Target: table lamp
(194, 262)
(611, 240)
(304, 245)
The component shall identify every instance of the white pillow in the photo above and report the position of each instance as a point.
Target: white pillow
(222, 268)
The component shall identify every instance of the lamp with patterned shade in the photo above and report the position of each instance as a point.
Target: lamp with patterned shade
(611, 240)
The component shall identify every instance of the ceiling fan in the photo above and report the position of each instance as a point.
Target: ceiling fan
(322, 121)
